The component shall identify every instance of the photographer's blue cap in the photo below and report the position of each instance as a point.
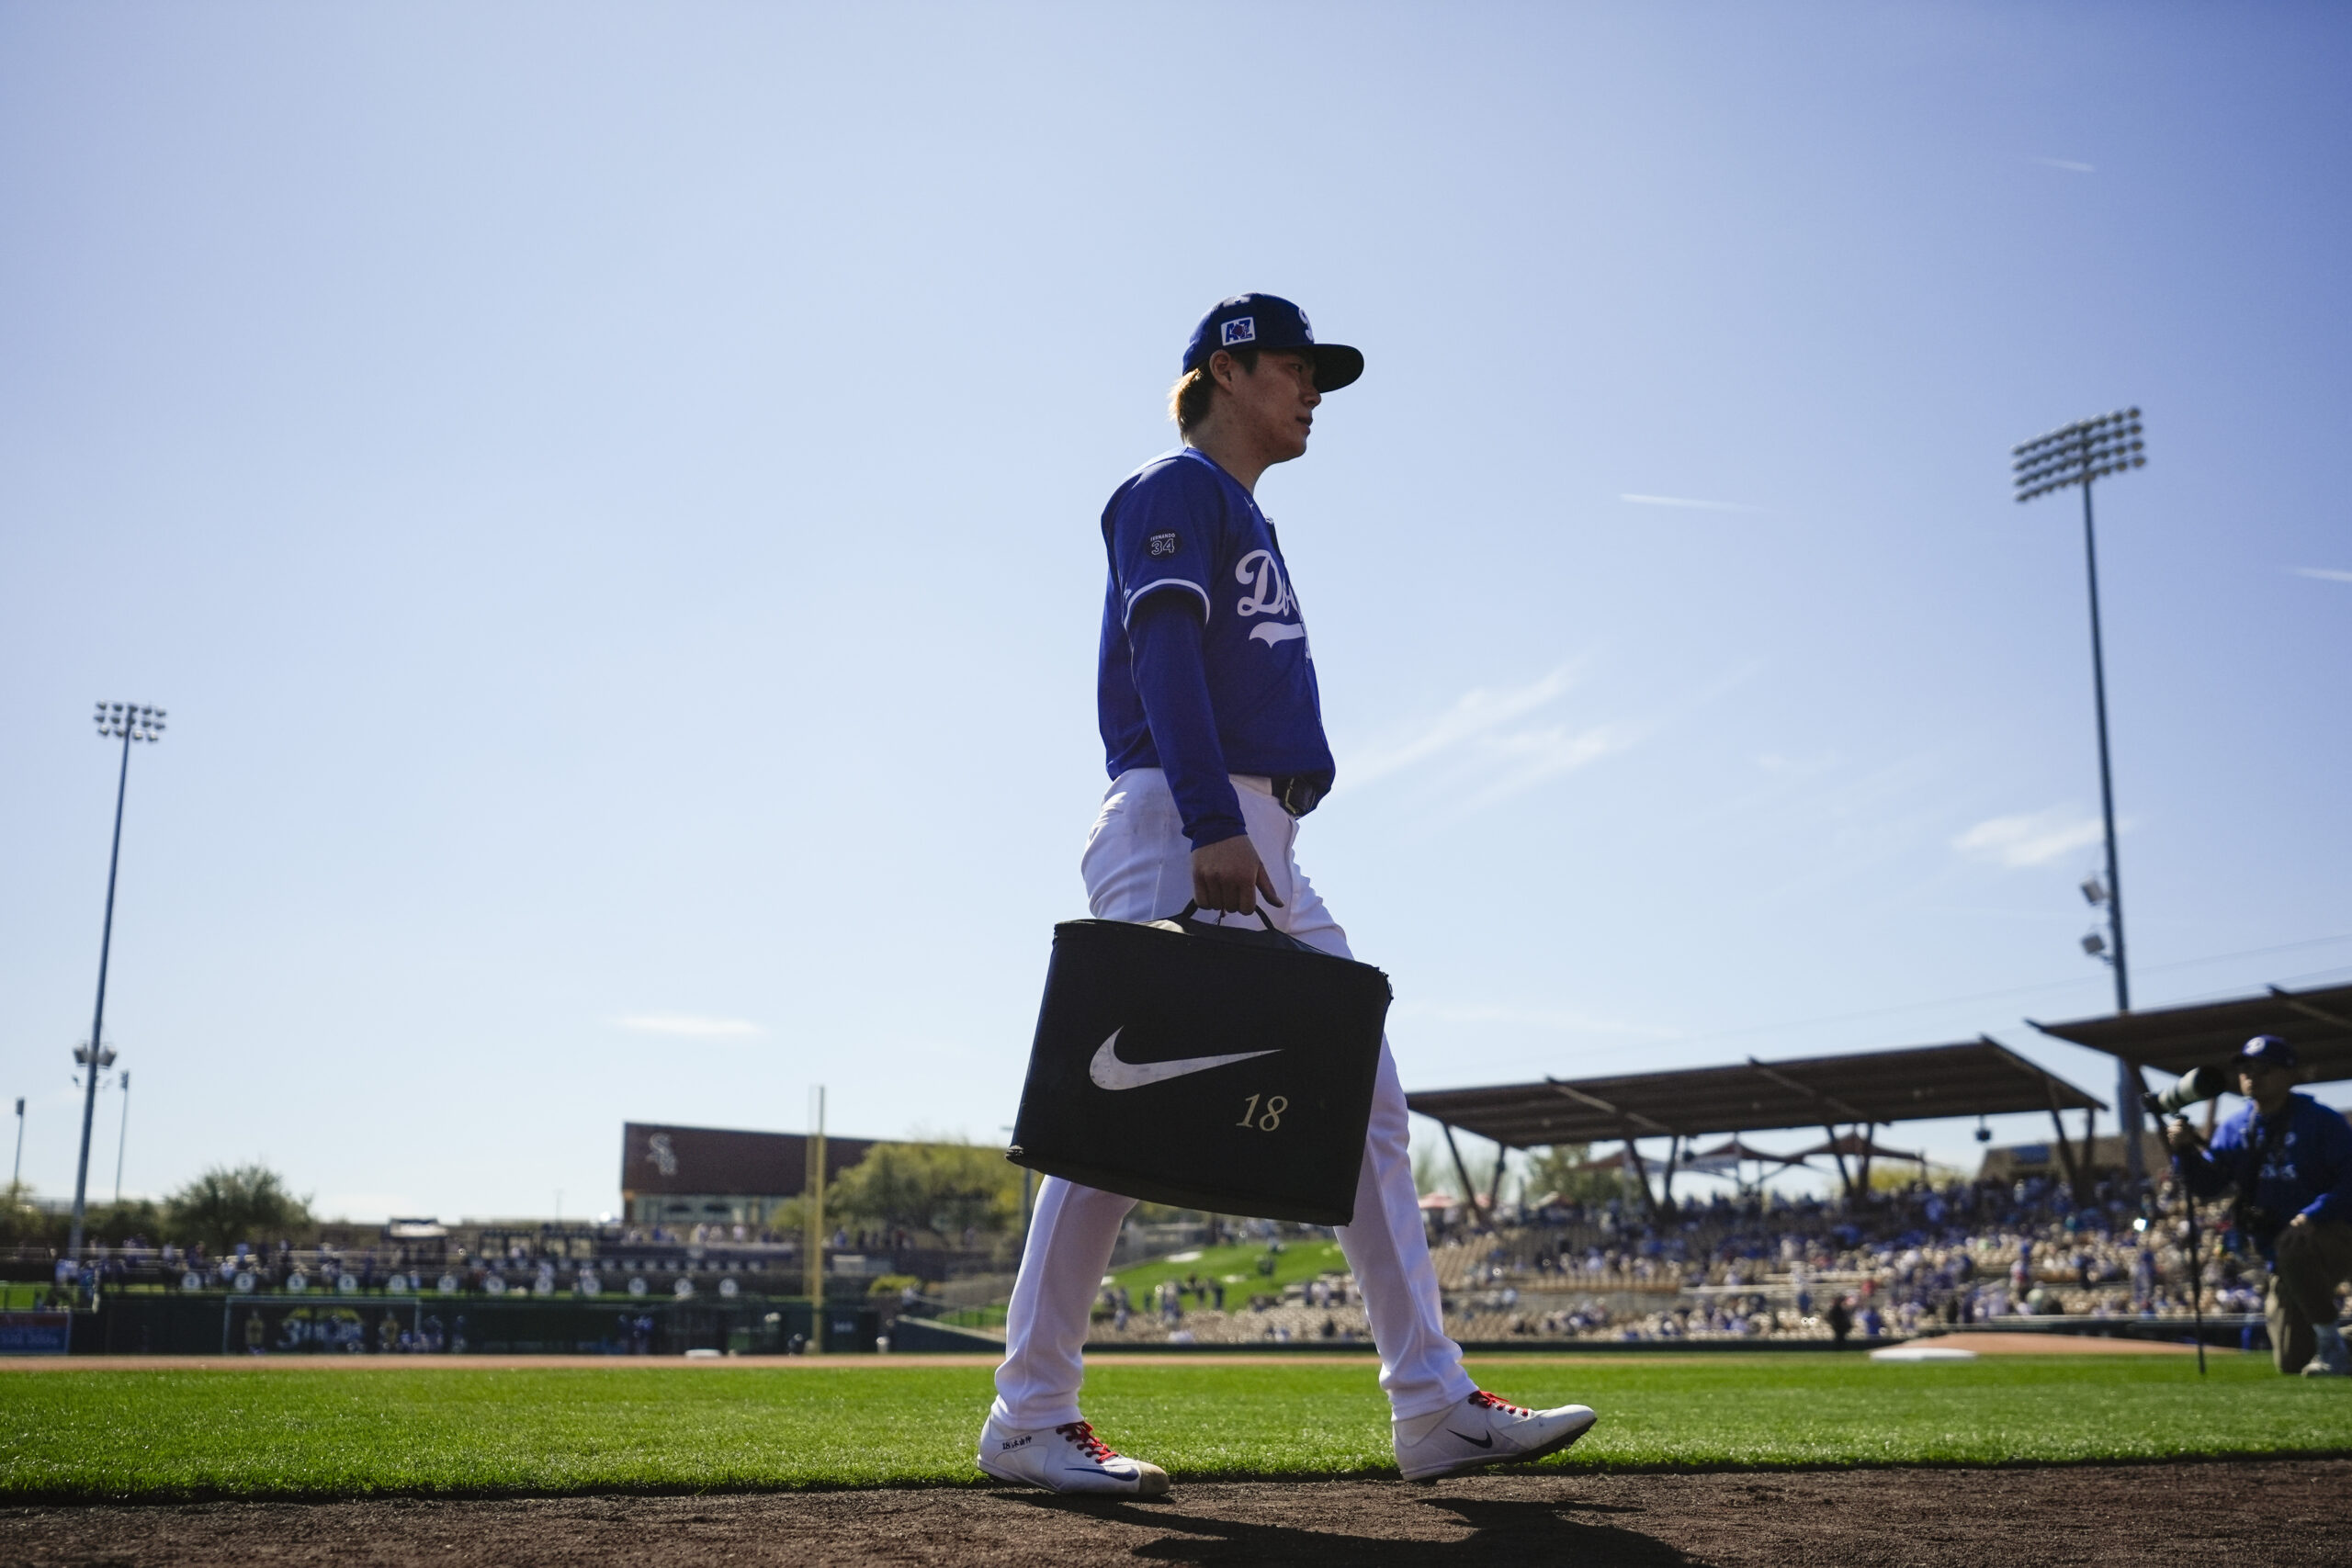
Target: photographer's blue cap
(1269, 322)
(2265, 1051)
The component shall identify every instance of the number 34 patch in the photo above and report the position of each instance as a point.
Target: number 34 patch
(1163, 544)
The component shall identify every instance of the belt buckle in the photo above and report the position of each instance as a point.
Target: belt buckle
(1299, 794)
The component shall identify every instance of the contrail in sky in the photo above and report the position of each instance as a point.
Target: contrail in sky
(1685, 501)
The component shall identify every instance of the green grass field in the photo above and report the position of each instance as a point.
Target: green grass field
(289, 1431)
(1237, 1267)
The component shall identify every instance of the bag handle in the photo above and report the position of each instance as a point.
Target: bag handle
(1275, 937)
(1193, 907)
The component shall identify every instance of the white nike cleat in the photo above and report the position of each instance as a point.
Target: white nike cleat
(1484, 1430)
(1066, 1459)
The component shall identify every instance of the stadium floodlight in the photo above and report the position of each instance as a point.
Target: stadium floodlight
(125, 722)
(2080, 454)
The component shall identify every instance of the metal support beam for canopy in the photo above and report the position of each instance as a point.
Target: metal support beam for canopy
(2065, 1150)
(1806, 1089)
(2299, 1005)
(1469, 1187)
(1659, 1128)
(1642, 1173)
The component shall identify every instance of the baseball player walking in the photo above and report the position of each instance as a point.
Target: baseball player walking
(1214, 729)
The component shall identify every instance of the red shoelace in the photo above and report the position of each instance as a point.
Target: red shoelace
(1490, 1402)
(1083, 1435)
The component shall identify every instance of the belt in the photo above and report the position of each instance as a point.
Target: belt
(1301, 793)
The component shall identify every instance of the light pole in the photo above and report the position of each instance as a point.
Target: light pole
(2078, 453)
(17, 1176)
(812, 1202)
(122, 1134)
(125, 722)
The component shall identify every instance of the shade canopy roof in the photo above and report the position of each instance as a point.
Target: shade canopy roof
(1978, 1078)
(1853, 1146)
(1734, 1150)
(1726, 1159)
(2317, 1023)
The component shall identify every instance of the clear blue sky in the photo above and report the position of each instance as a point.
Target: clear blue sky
(608, 497)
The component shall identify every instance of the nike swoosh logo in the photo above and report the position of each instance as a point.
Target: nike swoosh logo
(1109, 1072)
(1485, 1442)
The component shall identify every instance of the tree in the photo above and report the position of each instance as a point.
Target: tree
(945, 1188)
(1894, 1175)
(1567, 1169)
(19, 1221)
(228, 1204)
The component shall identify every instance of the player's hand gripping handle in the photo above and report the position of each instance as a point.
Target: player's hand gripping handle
(1228, 875)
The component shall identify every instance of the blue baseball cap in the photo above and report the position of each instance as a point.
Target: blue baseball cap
(1269, 322)
(2265, 1051)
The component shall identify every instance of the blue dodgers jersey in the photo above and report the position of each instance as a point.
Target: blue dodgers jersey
(2308, 1169)
(1181, 524)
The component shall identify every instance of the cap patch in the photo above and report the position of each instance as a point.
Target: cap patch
(1241, 329)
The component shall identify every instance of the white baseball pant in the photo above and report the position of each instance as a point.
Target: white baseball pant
(1138, 866)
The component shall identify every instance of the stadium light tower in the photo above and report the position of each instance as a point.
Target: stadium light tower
(122, 1134)
(125, 722)
(2078, 453)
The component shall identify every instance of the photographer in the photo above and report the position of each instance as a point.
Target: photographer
(2290, 1159)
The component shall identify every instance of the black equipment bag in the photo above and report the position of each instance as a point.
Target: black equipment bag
(1209, 1066)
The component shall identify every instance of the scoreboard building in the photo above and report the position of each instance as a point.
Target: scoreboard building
(688, 1176)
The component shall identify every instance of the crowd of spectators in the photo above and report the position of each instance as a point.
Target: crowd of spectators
(1761, 1265)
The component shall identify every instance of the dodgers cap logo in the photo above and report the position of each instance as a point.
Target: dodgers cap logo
(2266, 1051)
(1269, 322)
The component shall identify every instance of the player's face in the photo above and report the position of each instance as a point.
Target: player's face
(1276, 402)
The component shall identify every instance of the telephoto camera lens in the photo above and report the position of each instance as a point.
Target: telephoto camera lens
(2195, 1088)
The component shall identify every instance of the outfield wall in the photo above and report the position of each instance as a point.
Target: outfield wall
(192, 1324)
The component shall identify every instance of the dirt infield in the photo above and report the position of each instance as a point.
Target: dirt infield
(2280, 1513)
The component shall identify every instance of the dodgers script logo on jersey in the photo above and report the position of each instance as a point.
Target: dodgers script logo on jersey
(1268, 595)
